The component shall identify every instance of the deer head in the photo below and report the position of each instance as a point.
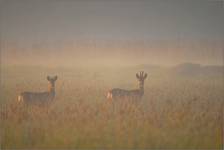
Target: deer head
(51, 81)
(141, 76)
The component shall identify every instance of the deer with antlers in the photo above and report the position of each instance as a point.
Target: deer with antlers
(39, 97)
(117, 93)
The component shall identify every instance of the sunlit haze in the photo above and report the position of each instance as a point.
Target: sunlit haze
(79, 33)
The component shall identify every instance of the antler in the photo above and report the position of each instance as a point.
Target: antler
(141, 75)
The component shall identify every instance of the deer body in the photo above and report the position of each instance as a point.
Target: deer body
(117, 93)
(39, 97)
(121, 93)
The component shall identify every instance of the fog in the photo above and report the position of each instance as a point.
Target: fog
(105, 33)
(118, 53)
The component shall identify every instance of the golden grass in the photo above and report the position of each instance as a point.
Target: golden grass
(174, 113)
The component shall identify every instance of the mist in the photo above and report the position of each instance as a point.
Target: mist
(115, 53)
(111, 74)
(105, 33)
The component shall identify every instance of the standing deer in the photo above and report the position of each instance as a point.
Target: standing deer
(133, 94)
(39, 97)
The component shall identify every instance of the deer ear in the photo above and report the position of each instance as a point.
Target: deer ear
(48, 78)
(145, 76)
(55, 78)
(137, 76)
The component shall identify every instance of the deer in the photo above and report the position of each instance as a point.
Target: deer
(39, 97)
(118, 93)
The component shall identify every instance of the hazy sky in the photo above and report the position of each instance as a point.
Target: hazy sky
(118, 31)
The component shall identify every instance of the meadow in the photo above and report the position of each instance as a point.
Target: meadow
(176, 111)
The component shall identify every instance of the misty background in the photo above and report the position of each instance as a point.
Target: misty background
(111, 33)
(94, 46)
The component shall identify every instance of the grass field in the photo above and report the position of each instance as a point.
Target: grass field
(176, 111)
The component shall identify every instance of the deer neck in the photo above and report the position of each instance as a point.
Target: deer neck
(141, 87)
(51, 89)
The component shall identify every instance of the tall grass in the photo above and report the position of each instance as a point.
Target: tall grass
(175, 112)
